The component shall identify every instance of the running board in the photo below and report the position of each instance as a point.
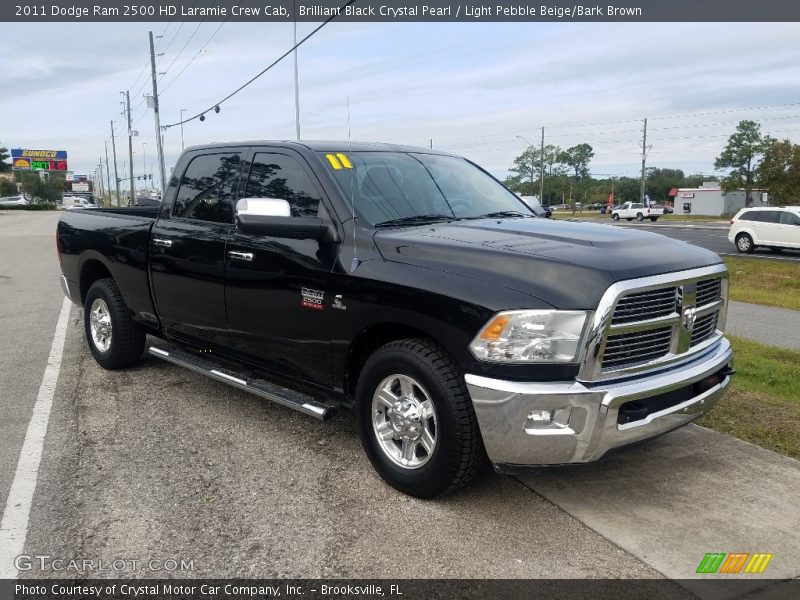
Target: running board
(260, 387)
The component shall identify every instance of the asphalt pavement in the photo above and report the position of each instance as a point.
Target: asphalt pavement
(713, 236)
(156, 463)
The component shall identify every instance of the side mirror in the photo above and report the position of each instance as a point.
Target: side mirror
(272, 217)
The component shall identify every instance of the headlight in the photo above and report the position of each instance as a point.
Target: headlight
(530, 336)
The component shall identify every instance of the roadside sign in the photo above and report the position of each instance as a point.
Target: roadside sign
(764, 197)
(38, 160)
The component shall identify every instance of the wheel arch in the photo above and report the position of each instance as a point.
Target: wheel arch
(368, 340)
(92, 270)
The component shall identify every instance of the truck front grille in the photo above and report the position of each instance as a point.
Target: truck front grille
(659, 323)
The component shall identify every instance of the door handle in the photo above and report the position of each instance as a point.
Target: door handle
(248, 256)
(162, 242)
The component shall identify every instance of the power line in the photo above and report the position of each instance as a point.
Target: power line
(191, 60)
(216, 105)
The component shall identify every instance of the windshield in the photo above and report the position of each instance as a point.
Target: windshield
(399, 188)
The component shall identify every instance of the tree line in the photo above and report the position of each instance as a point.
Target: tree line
(753, 161)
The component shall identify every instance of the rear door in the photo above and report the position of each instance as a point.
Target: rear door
(187, 247)
(767, 227)
(789, 229)
(277, 297)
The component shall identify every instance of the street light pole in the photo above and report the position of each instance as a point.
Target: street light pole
(183, 110)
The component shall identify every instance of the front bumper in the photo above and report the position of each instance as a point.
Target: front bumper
(529, 424)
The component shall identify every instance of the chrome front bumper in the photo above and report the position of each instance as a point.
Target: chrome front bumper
(552, 423)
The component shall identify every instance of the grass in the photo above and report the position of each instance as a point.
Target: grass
(764, 281)
(763, 403)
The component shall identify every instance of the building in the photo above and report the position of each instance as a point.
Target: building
(709, 200)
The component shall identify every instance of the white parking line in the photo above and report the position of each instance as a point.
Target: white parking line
(14, 526)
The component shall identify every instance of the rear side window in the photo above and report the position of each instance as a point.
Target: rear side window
(281, 176)
(769, 216)
(750, 215)
(789, 218)
(207, 189)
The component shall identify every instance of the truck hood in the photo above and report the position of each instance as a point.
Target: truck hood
(565, 264)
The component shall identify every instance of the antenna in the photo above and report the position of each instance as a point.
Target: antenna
(355, 261)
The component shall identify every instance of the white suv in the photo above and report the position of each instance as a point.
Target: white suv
(776, 227)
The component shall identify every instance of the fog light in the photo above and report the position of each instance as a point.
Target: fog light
(540, 417)
(548, 421)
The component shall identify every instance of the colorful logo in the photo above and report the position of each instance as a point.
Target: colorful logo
(735, 562)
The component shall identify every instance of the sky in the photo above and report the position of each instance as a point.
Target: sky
(470, 88)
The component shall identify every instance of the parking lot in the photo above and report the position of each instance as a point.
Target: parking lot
(158, 463)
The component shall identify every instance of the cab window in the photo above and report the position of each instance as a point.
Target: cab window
(281, 176)
(207, 188)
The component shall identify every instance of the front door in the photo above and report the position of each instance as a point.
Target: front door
(276, 293)
(187, 248)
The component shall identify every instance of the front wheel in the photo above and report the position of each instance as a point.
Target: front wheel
(639, 217)
(116, 340)
(615, 217)
(416, 420)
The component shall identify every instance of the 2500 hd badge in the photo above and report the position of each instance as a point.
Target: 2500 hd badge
(465, 327)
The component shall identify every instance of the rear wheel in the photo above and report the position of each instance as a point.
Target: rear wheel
(654, 219)
(416, 420)
(744, 243)
(115, 339)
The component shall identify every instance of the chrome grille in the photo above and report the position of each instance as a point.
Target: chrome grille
(653, 325)
(636, 348)
(646, 305)
(708, 291)
(704, 327)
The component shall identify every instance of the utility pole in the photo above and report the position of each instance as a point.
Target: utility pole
(108, 176)
(644, 160)
(157, 118)
(541, 171)
(130, 142)
(183, 110)
(296, 82)
(114, 150)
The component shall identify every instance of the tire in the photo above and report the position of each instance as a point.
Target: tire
(117, 341)
(639, 217)
(744, 243)
(427, 380)
(654, 219)
(615, 217)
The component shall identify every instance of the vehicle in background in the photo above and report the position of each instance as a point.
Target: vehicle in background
(636, 210)
(775, 227)
(533, 203)
(14, 201)
(147, 201)
(412, 287)
(72, 202)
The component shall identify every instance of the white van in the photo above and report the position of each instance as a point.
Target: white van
(776, 227)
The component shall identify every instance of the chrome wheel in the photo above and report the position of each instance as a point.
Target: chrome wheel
(100, 325)
(404, 421)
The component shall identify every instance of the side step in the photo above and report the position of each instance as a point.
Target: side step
(260, 387)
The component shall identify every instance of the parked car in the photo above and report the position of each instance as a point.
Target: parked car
(636, 210)
(533, 203)
(412, 287)
(73, 202)
(775, 227)
(14, 201)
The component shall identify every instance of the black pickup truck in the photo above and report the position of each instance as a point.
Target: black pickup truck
(412, 287)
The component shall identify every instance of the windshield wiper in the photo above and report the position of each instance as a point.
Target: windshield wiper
(502, 214)
(416, 220)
